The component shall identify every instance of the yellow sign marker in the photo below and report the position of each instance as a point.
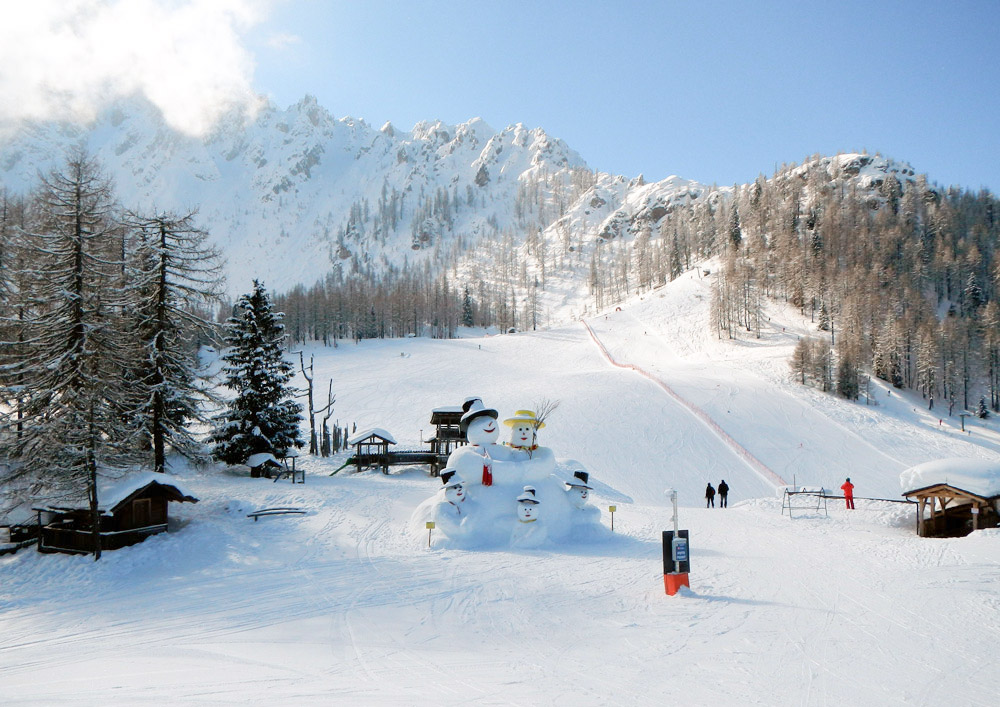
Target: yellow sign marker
(430, 525)
(612, 508)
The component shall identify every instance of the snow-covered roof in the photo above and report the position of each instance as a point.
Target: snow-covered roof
(976, 476)
(449, 408)
(110, 493)
(377, 431)
(21, 515)
(260, 458)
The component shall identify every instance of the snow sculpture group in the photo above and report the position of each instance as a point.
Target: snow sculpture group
(508, 494)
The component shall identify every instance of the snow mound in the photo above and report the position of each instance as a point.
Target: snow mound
(976, 476)
(492, 517)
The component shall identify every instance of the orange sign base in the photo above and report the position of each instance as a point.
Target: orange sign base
(675, 581)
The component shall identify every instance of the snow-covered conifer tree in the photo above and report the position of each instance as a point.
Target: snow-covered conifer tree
(175, 273)
(76, 411)
(263, 417)
(467, 318)
(15, 298)
(735, 232)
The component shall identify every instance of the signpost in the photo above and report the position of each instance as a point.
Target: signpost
(430, 529)
(612, 510)
(676, 555)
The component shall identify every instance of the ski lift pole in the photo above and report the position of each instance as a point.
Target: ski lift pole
(676, 558)
(673, 501)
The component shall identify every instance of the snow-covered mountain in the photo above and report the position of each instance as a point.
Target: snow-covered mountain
(296, 193)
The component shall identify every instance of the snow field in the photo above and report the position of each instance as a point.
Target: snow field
(347, 603)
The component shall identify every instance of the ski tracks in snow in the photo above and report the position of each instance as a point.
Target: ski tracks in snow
(760, 431)
(735, 447)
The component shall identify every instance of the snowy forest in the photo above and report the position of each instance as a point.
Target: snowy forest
(901, 277)
(903, 281)
(479, 279)
(102, 311)
(103, 308)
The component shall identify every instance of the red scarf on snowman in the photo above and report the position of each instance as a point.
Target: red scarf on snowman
(487, 468)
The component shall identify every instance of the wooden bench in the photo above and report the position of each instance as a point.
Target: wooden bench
(293, 473)
(274, 512)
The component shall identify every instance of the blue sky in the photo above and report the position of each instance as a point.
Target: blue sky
(713, 91)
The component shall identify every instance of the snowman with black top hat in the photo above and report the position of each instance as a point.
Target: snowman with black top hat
(454, 490)
(577, 491)
(449, 508)
(475, 462)
(528, 532)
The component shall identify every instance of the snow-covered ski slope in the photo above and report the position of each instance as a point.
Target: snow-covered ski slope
(347, 603)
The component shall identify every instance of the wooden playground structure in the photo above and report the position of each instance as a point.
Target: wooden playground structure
(371, 447)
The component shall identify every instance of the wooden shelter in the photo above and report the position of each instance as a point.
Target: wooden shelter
(17, 530)
(131, 510)
(447, 430)
(371, 448)
(954, 496)
(945, 511)
(263, 464)
(269, 466)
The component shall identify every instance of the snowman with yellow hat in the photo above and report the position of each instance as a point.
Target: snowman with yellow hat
(524, 426)
(533, 461)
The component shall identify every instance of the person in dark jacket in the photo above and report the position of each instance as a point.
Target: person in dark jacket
(723, 494)
(709, 496)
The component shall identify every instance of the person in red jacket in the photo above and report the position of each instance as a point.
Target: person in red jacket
(848, 488)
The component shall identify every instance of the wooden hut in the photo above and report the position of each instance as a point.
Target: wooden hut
(131, 509)
(17, 529)
(371, 448)
(954, 496)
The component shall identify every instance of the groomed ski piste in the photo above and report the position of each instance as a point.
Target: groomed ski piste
(347, 604)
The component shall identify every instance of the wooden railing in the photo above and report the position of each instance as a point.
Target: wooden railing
(55, 539)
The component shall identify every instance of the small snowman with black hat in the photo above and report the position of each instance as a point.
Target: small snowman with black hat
(527, 505)
(450, 508)
(577, 490)
(528, 532)
(454, 491)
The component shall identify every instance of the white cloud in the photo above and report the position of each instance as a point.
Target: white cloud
(64, 59)
(283, 40)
